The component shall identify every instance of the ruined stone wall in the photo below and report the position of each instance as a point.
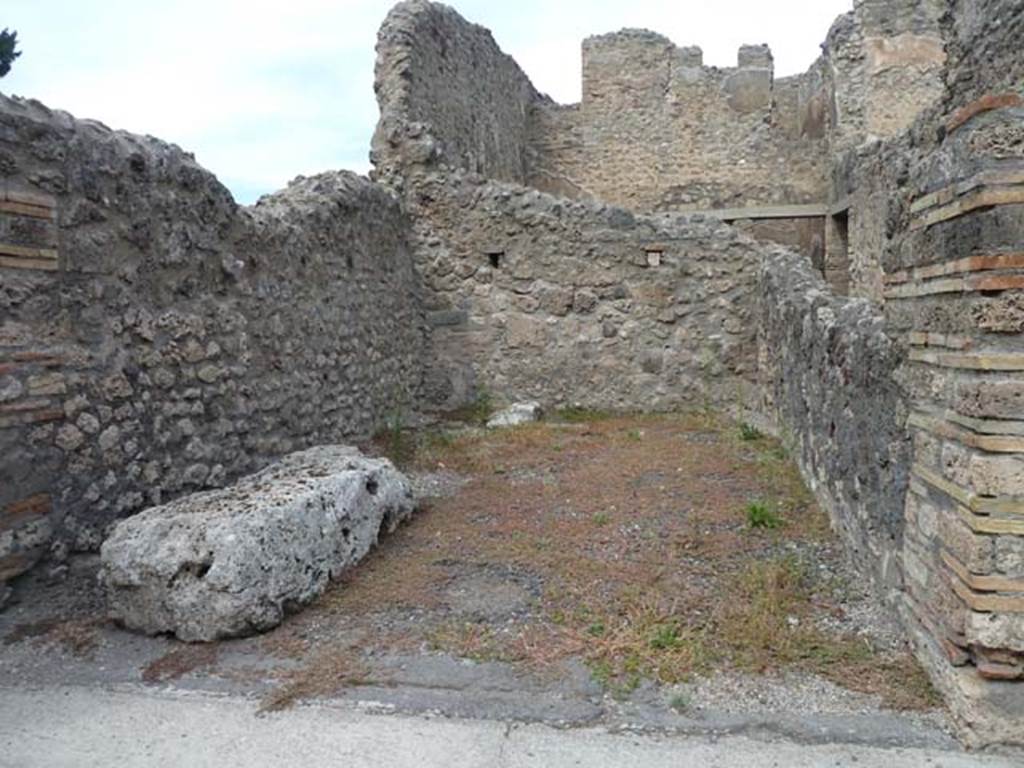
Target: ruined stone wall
(156, 339)
(534, 296)
(557, 160)
(448, 93)
(531, 295)
(657, 131)
(827, 376)
(943, 381)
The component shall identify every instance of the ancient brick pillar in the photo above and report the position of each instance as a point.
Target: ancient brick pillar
(956, 285)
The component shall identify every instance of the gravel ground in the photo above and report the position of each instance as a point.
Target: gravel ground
(38, 631)
(435, 485)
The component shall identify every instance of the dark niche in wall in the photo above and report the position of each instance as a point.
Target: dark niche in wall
(494, 258)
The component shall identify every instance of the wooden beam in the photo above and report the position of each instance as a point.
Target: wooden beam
(803, 211)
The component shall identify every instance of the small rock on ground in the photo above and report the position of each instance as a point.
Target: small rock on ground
(516, 414)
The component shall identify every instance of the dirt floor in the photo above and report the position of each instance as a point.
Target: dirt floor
(652, 569)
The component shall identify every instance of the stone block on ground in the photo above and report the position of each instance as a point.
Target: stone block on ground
(234, 561)
(516, 414)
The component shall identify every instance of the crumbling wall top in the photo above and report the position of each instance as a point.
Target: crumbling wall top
(759, 56)
(447, 94)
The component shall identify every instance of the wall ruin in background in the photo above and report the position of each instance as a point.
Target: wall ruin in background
(656, 130)
(530, 295)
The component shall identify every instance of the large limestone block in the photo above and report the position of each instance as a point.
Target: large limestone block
(233, 561)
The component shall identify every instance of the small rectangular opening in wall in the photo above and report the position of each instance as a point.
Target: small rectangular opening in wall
(494, 258)
(653, 254)
(841, 221)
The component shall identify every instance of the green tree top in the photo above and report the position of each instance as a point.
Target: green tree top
(8, 43)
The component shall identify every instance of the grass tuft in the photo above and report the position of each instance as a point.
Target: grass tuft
(681, 703)
(577, 414)
(749, 433)
(761, 515)
(398, 444)
(768, 625)
(666, 637)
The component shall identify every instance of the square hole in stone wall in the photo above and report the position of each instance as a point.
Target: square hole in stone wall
(653, 255)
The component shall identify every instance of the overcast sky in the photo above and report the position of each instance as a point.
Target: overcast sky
(263, 91)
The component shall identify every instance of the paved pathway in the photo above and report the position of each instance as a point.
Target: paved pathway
(128, 726)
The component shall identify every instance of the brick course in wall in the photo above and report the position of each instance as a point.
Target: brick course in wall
(954, 286)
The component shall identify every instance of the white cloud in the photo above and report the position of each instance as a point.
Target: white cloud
(263, 90)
